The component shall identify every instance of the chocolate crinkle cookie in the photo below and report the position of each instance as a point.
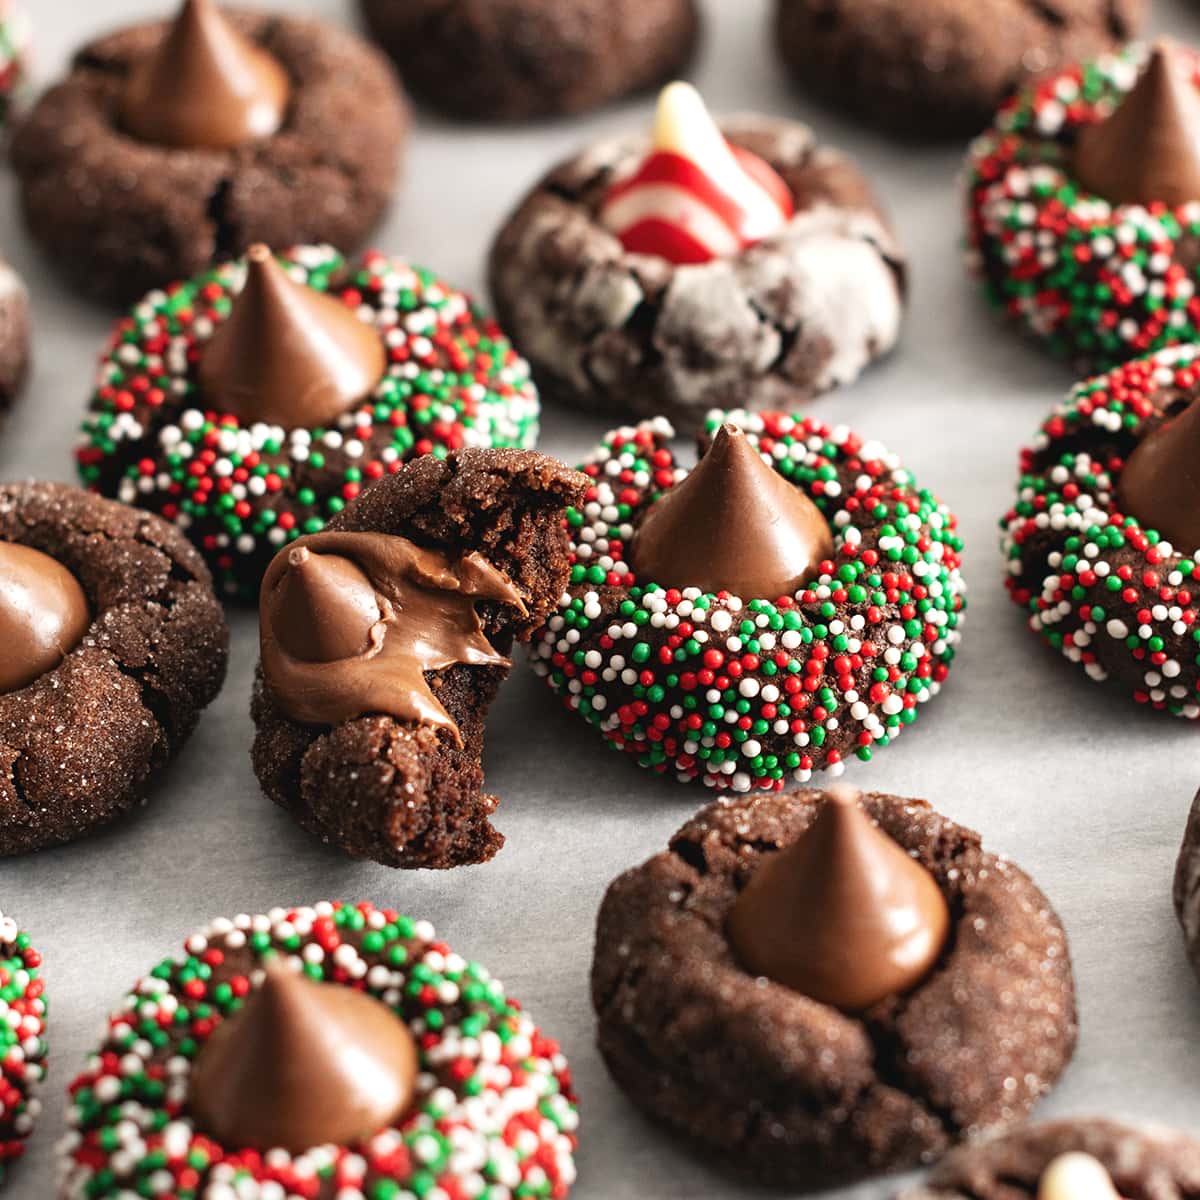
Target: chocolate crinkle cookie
(384, 641)
(938, 68)
(510, 60)
(15, 336)
(1140, 1163)
(789, 317)
(102, 690)
(129, 189)
(789, 1089)
(1187, 885)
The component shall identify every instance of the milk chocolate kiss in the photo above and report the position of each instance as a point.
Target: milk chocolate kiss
(287, 354)
(43, 614)
(732, 525)
(303, 1064)
(350, 622)
(843, 915)
(1160, 483)
(1148, 148)
(206, 86)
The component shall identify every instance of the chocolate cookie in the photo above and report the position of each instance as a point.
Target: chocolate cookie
(624, 309)
(315, 1051)
(102, 690)
(22, 1044)
(510, 60)
(939, 68)
(714, 648)
(1081, 225)
(14, 337)
(1142, 1164)
(384, 641)
(247, 407)
(792, 1090)
(1187, 885)
(171, 146)
(1103, 543)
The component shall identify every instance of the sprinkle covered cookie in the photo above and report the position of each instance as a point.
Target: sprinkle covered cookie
(752, 674)
(819, 986)
(1103, 543)
(16, 36)
(227, 1072)
(1083, 227)
(174, 145)
(251, 404)
(22, 1041)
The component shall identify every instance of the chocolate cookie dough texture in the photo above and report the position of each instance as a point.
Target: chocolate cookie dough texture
(1081, 1159)
(325, 1050)
(511, 60)
(742, 267)
(171, 146)
(938, 68)
(1103, 543)
(1083, 206)
(782, 607)
(931, 1002)
(22, 1041)
(114, 644)
(1187, 886)
(251, 404)
(384, 641)
(15, 336)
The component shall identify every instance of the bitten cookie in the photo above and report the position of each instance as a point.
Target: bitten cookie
(15, 333)
(745, 267)
(748, 624)
(384, 641)
(320, 1051)
(1187, 885)
(1080, 1159)
(102, 690)
(939, 68)
(22, 1041)
(1082, 206)
(172, 146)
(932, 1006)
(1103, 543)
(252, 403)
(511, 60)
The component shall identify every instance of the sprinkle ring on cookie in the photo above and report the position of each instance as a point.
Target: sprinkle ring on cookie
(242, 489)
(1100, 282)
(1107, 591)
(22, 1046)
(744, 691)
(492, 1114)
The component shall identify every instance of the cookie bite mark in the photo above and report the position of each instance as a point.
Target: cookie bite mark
(843, 914)
(353, 623)
(289, 354)
(206, 85)
(43, 614)
(1147, 150)
(303, 1064)
(385, 641)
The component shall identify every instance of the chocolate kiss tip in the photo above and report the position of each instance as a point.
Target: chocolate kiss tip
(288, 354)
(734, 524)
(303, 1064)
(205, 86)
(1148, 148)
(323, 609)
(883, 919)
